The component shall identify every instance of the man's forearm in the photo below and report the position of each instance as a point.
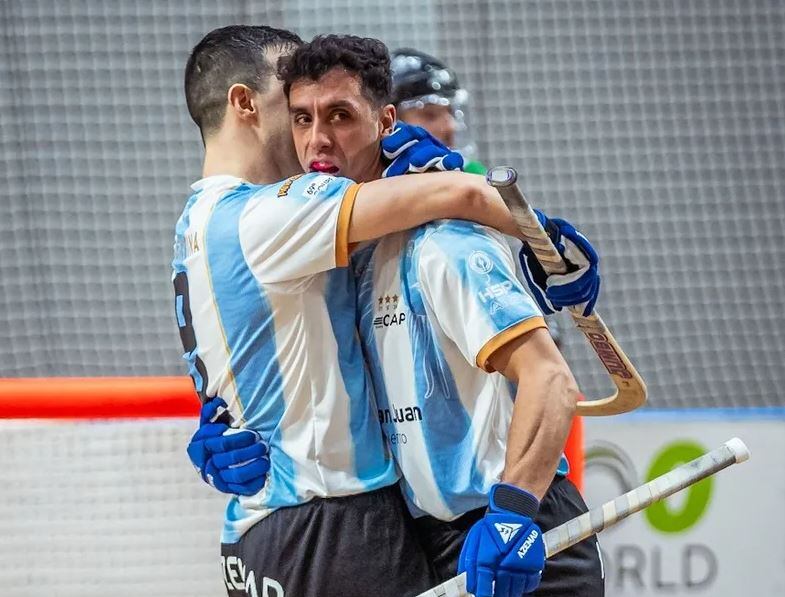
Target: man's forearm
(544, 408)
(394, 204)
(542, 416)
(486, 206)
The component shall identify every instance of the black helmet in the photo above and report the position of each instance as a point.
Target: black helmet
(421, 79)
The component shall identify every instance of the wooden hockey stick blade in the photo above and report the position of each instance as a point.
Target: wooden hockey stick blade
(610, 513)
(630, 390)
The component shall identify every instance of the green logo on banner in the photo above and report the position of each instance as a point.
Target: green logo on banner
(660, 515)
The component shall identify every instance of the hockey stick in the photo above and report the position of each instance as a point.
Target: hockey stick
(573, 531)
(630, 388)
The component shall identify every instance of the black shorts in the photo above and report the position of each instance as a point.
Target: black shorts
(575, 571)
(353, 546)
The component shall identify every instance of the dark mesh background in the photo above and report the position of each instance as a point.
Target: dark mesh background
(658, 126)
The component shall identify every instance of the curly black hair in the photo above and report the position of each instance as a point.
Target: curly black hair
(364, 56)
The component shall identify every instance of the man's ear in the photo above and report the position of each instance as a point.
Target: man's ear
(387, 119)
(241, 101)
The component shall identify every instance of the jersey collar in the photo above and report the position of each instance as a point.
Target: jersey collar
(218, 180)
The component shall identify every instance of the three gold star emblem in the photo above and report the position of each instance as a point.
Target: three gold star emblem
(388, 301)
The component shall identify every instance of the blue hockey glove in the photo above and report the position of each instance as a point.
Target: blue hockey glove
(580, 286)
(504, 555)
(231, 460)
(413, 149)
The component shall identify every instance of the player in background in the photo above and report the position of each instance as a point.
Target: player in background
(266, 310)
(426, 93)
(475, 398)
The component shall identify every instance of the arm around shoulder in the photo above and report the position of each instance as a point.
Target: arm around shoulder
(391, 205)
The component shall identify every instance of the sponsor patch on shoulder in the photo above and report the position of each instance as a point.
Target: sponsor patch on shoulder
(317, 185)
(287, 184)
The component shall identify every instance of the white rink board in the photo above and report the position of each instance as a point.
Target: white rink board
(732, 546)
(98, 508)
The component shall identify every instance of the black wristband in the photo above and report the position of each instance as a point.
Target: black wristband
(513, 499)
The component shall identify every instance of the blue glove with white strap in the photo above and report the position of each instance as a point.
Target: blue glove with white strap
(503, 554)
(580, 286)
(231, 460)
(411, 148)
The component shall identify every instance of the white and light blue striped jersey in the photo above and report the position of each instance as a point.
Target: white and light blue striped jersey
(266, 308)
(434, 304)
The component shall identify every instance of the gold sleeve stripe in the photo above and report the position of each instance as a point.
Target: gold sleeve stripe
(505, 337)
(342, 229)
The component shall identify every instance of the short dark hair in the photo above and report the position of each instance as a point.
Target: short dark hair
(225, 56)
(364, 56)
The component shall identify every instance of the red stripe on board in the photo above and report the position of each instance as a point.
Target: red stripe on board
(97, 397)
(573, 450)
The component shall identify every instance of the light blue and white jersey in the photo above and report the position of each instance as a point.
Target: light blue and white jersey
(266, 309)
(435, 303)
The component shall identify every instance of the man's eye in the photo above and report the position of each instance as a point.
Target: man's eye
(301, 119)
(339, 116)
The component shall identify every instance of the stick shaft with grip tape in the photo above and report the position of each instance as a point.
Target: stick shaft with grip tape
(595, 520)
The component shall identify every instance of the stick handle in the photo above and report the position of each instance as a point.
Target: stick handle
(610, 513)
(504, 179)
(630, 388)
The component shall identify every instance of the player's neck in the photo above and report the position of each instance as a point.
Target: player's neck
(244, 158)
(372, 173)
(378, 169)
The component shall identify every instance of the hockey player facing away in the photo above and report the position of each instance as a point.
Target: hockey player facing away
(474, 397)
(266, 309)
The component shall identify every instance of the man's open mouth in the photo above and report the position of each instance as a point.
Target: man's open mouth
(322, 166)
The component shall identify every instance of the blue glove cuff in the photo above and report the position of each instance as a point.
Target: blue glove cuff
(506, 497)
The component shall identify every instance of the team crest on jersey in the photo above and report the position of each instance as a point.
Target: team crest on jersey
(387, 305)
(480, 262)
(287, 184)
